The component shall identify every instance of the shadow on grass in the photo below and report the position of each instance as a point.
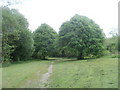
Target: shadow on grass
(69, 59)
(48, 59)
(65, 60)
(55, 59)
(6, 64)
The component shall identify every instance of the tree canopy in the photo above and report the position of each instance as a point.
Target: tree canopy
(17, 39)
(44, 38)
(81, 37)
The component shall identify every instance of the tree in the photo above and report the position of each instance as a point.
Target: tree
(11, 2)
(119, 43)
(25, 46)
(8, 29)
(44, 38)
(111, 44)
(81, 37)
(17, 39)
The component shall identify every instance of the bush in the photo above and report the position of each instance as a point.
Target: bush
(106, 52)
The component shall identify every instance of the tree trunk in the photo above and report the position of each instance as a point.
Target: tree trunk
(80, 56)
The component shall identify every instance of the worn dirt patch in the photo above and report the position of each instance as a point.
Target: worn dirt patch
(45, 77)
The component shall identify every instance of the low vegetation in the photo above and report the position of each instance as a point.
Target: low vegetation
(91, 73)
(24, 75)
(67, 73)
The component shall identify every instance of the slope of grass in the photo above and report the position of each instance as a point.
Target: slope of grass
(24, 75)
(96, 73)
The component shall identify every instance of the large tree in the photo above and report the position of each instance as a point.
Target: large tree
(81, 37)
(45, 38)
(17, 39)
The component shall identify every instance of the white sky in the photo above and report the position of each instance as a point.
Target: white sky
(55, 12)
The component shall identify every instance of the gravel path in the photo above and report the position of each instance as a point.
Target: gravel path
(44, 80)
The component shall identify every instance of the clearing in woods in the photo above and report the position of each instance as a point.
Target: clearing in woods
(63, 73)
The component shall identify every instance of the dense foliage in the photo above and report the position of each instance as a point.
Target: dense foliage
(119, 43)
(17, 43)
(111, 44)
(81, 37)
(45, 38)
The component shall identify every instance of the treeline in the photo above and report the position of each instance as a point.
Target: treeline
(17, 40)
(79, 37)
(112, 44)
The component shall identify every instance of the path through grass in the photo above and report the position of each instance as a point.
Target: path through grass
(25, 75)
(66, 73)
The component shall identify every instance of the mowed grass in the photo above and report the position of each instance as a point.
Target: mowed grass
(0, 77)
(67, 73)
(25, 75)
(92, 73)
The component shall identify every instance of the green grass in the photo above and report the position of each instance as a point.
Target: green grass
(96, 73)
(0, 78)
(24, 74)
(67, 73)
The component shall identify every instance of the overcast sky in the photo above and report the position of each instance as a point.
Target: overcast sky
(55, 12)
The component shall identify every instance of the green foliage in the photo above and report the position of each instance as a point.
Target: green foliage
(81, 37)
(17, 40)
(106, 53)
(9, 33)
(45, 38)
(111, 44)
(118, 43)
(25, 46)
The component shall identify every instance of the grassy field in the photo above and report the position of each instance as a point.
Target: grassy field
(96, 73)
(67, 73)
(24, 75)
(0, 77)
